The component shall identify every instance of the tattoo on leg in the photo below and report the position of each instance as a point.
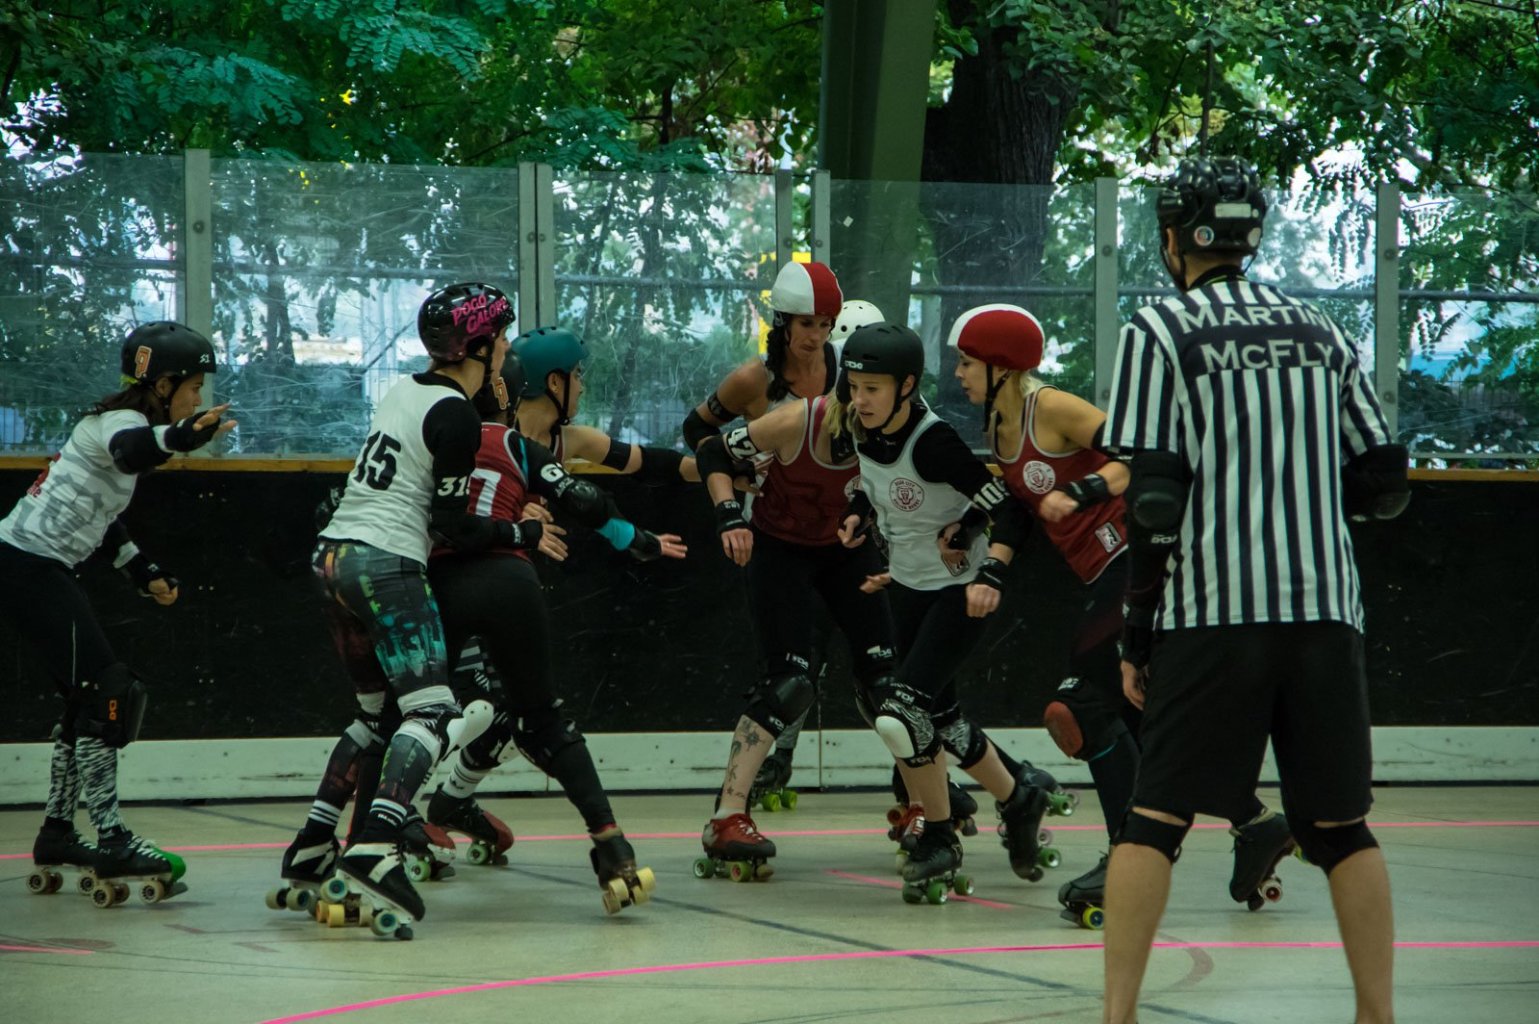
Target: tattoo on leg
(752, 737)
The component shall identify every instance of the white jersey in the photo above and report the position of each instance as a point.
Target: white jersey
(911, 512)
(65, 514)
(386, 502)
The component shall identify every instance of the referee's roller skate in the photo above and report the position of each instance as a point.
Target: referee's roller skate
(964, 809)
(1060, 802)
(1084, 899)
(59, 846)
(769, 786)
(622, 882)
(125, 863)
(1021, 832)
(427, 850)
(307, 863)
(1258, 848)
(490, 837)
(371, 889)
(931, 871)
(734, 849)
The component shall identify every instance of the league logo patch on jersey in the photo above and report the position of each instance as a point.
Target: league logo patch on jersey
(906, 494)
(1039, 477)
(1109, 536)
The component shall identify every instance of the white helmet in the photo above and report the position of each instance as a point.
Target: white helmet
(806, 289)
(856, 313)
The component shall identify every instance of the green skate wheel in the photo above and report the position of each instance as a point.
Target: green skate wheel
(935, 893)
(1093, 918)
(480, 853)
(384, 923)
(912, 895)
(704, 868)
(419, 869)
(963, 885)
(770, 802)
(1062, 802)
(335, 889)
(1049, 858)
(740, 871)
(789, 798)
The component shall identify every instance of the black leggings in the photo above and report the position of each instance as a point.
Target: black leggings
(498, 598)
(43, 601)
(935, 635)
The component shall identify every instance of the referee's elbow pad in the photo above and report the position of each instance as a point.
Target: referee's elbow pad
(1376, 484)
(1156, 496)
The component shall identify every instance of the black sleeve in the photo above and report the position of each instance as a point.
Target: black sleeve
(942, 457)
(452, 431)
(1012, 525)
(136, 450)
(536, 458)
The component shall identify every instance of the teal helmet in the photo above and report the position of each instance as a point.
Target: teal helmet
(544, 351)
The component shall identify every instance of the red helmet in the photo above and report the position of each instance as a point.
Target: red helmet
(806, 289)
(1000, 335)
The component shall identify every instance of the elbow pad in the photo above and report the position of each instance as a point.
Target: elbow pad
(138, 449)
(696, 429)
(712, 457)
(660, 465)
(1375, 485)
(1156, 497)
(581, 500)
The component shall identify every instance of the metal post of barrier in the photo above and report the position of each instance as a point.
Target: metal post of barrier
(1106, 319)
(536, 247)
(822, 198)
(1386, 303)
(196, 295)
(785, 245)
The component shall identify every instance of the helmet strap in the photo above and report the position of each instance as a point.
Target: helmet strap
(991, 390)
(899, 396)
(563, 413)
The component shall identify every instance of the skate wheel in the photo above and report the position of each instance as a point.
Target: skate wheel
(770, 802)
(935, 893)
(385, 923)
(963, 885)
(277, 899)
(646, 880)
(404, 933)
(419, 869)
(335, 915)
(1093, 918)
(55, 881)
(968, 827)
(1049, 858)
(152, 891)
(1031, 874)
(303, 901)
(39, 882)
(1271, 890)
(616, 896)
(86, 883)
(895, 815)
(703, 868)
(1044, 838)
(104, 896)
(900, 860)
(335, 889)
(912, 895)
(789, 799)
(479, 854)
(762, 872)
(740, 871)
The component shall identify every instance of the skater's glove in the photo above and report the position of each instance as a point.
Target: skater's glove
(144, 572)
(991, 573)
(1137, 643)
(646, 546)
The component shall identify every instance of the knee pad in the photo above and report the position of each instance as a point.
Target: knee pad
(903, 722)
(111, 706)
(439, 724)
(1327, 847)
(494, 746)
(543, 741)
(964, 741)
(364, 732)
(781, 700)
(1082, 732)
(1145, 831)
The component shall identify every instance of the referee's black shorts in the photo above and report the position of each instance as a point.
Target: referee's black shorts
(1217, 693)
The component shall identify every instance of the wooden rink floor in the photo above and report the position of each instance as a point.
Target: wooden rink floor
(827, 939)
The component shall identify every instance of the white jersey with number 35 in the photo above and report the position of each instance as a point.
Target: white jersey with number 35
(386, 502)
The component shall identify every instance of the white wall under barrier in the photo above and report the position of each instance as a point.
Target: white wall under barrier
(173, 770)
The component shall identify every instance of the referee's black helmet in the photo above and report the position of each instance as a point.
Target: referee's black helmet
(1214, 204)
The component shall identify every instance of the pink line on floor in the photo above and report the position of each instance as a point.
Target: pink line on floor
(1049, 824)
(45, 949)
(888, 883)
(873, 954)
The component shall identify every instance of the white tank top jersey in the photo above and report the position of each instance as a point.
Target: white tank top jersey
(911, 512)
(386, 501)
(66, 512)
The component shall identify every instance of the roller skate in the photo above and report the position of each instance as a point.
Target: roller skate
(123, 858)
(623, 883)
(734, 849)
(1084, 898)
(1021, 832)
(427, 851)
(58, 846)
(931, 871)
(1060, 802)
(769, 786)
(489, 835)
(371, 889)
(964, 808)
(1258, 848)
(307, 863)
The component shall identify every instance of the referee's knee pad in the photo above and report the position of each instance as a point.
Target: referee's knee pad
(964, 741)
(1325, 847)
(1143, 830)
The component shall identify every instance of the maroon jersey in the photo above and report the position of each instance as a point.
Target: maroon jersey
(802, 501)
(1088, 539)
(499, 488)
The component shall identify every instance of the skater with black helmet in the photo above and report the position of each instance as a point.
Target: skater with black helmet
(71, 511)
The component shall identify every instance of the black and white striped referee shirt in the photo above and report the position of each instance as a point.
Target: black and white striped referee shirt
(1264, 399)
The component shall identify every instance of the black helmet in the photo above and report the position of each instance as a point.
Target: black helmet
(887, 348)
(502, 392)
(1214, 204)
(454, 319)
(164, 349)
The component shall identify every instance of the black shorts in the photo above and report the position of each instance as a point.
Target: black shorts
(1216, 694)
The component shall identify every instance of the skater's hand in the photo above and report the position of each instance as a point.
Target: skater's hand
(1056, 506)
(982, 599)
(163, 590)
(955, 558)
(1134, 682)
(736, 538)
(852, 533)
(874, 583)
(535, 512)
(551, 544)
(671, 545)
